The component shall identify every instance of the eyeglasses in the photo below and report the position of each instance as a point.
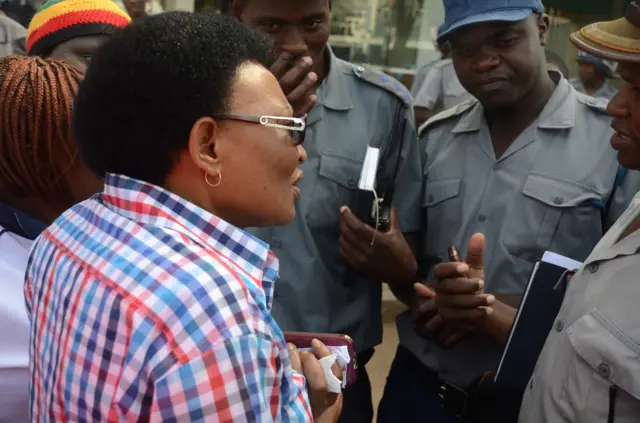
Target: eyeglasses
(295, 126)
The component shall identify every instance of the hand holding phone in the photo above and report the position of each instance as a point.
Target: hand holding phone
(340, 344)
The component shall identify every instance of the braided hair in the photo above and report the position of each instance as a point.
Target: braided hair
(36, 146)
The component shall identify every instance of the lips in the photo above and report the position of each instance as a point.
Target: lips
(621, 138)
(298, 175)
(493, 84)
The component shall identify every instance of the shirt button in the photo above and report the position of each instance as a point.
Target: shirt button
(276, 243)
(351, 182)
(360, 69)
(558, 200)
(496, 166)
(559, 326)
(593, 267)
(604, 370)
(482, 218)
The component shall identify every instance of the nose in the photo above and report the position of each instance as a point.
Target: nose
(484, 60)
(619, 104)
(293, 42)
(302, 154)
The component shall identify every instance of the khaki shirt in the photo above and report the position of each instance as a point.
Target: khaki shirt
(595, 343)
(547, 192)
(607, 91)
(441, 89)
(316, 290)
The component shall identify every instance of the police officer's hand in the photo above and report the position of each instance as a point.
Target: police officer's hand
(325, 406)
(428, 324)
(384, 256)
(297, 81)
(460, 286)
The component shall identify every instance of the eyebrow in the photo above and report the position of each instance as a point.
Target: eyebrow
(278, 19)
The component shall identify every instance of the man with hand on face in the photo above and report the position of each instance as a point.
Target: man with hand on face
(332, 264)
(527, 166)
(588, 369)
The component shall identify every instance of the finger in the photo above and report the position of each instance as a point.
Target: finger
(423, 311)
(306, 107)
(304, 89)
(295, 75)
(447, 331)
(475, 252)
(294, 356)
(360, 240)
(450, 270)
(431, 328)
(313, 372)
(320, 351)
(354, 224)
(459, 286)
(352, 254)
(464, 301)
(279, 67)
(456, 338)
(424, 291)
(462, 314)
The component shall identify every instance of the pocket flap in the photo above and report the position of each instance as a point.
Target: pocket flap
(558, 192)
(440, 190)
(341, 170)
(607, 351)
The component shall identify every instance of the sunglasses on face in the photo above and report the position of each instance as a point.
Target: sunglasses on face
(295, 126)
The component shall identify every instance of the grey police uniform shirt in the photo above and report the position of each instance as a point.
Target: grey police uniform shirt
(420, 76)
(607, 91)
(316, 290)
(595, 342)
(441, 88)
(546, 192)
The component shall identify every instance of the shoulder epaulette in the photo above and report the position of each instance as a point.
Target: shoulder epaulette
(595, 103)
(384, 81)
(448, 114)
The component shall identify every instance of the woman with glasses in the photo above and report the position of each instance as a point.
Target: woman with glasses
(149, 301)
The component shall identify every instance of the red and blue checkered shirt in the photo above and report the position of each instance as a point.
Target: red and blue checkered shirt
(144, 307)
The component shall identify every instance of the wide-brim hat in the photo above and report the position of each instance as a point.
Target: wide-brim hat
(617, 40)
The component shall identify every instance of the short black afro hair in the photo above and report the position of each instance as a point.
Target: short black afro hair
(149, 83)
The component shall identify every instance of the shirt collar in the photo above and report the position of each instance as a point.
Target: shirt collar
(334, 92)
(558, 113)
(153, 205)
(19, 223)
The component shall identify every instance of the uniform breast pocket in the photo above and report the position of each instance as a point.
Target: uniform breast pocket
(337, 186)
(442, 206)
(604, 358)
(550, 207)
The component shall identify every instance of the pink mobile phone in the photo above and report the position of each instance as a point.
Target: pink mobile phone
(332, 341)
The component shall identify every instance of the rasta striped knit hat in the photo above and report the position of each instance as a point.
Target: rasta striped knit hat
(58, 21)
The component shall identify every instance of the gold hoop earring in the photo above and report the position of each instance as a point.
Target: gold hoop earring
(206, 179)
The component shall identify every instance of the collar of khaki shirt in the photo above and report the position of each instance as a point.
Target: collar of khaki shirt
(559, 113)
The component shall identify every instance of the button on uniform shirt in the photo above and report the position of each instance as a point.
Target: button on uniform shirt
(317, 291)
(607, 91)
(441, 89)
(145, 307)
(14, 329)
(595, 343)
(547, 192)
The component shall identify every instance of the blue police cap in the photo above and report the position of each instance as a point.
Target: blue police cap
(461, 13)
(599, 63)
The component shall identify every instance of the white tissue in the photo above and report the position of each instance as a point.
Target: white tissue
(334, 384)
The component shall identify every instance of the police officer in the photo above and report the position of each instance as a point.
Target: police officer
(331, 263)
(441, 88)
(526, 165)
(588, 370)
(593, 75)
(421, 74)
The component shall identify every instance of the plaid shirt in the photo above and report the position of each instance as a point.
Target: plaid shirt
(145, 307)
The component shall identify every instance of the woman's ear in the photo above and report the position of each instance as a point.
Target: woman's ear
(202, 145)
